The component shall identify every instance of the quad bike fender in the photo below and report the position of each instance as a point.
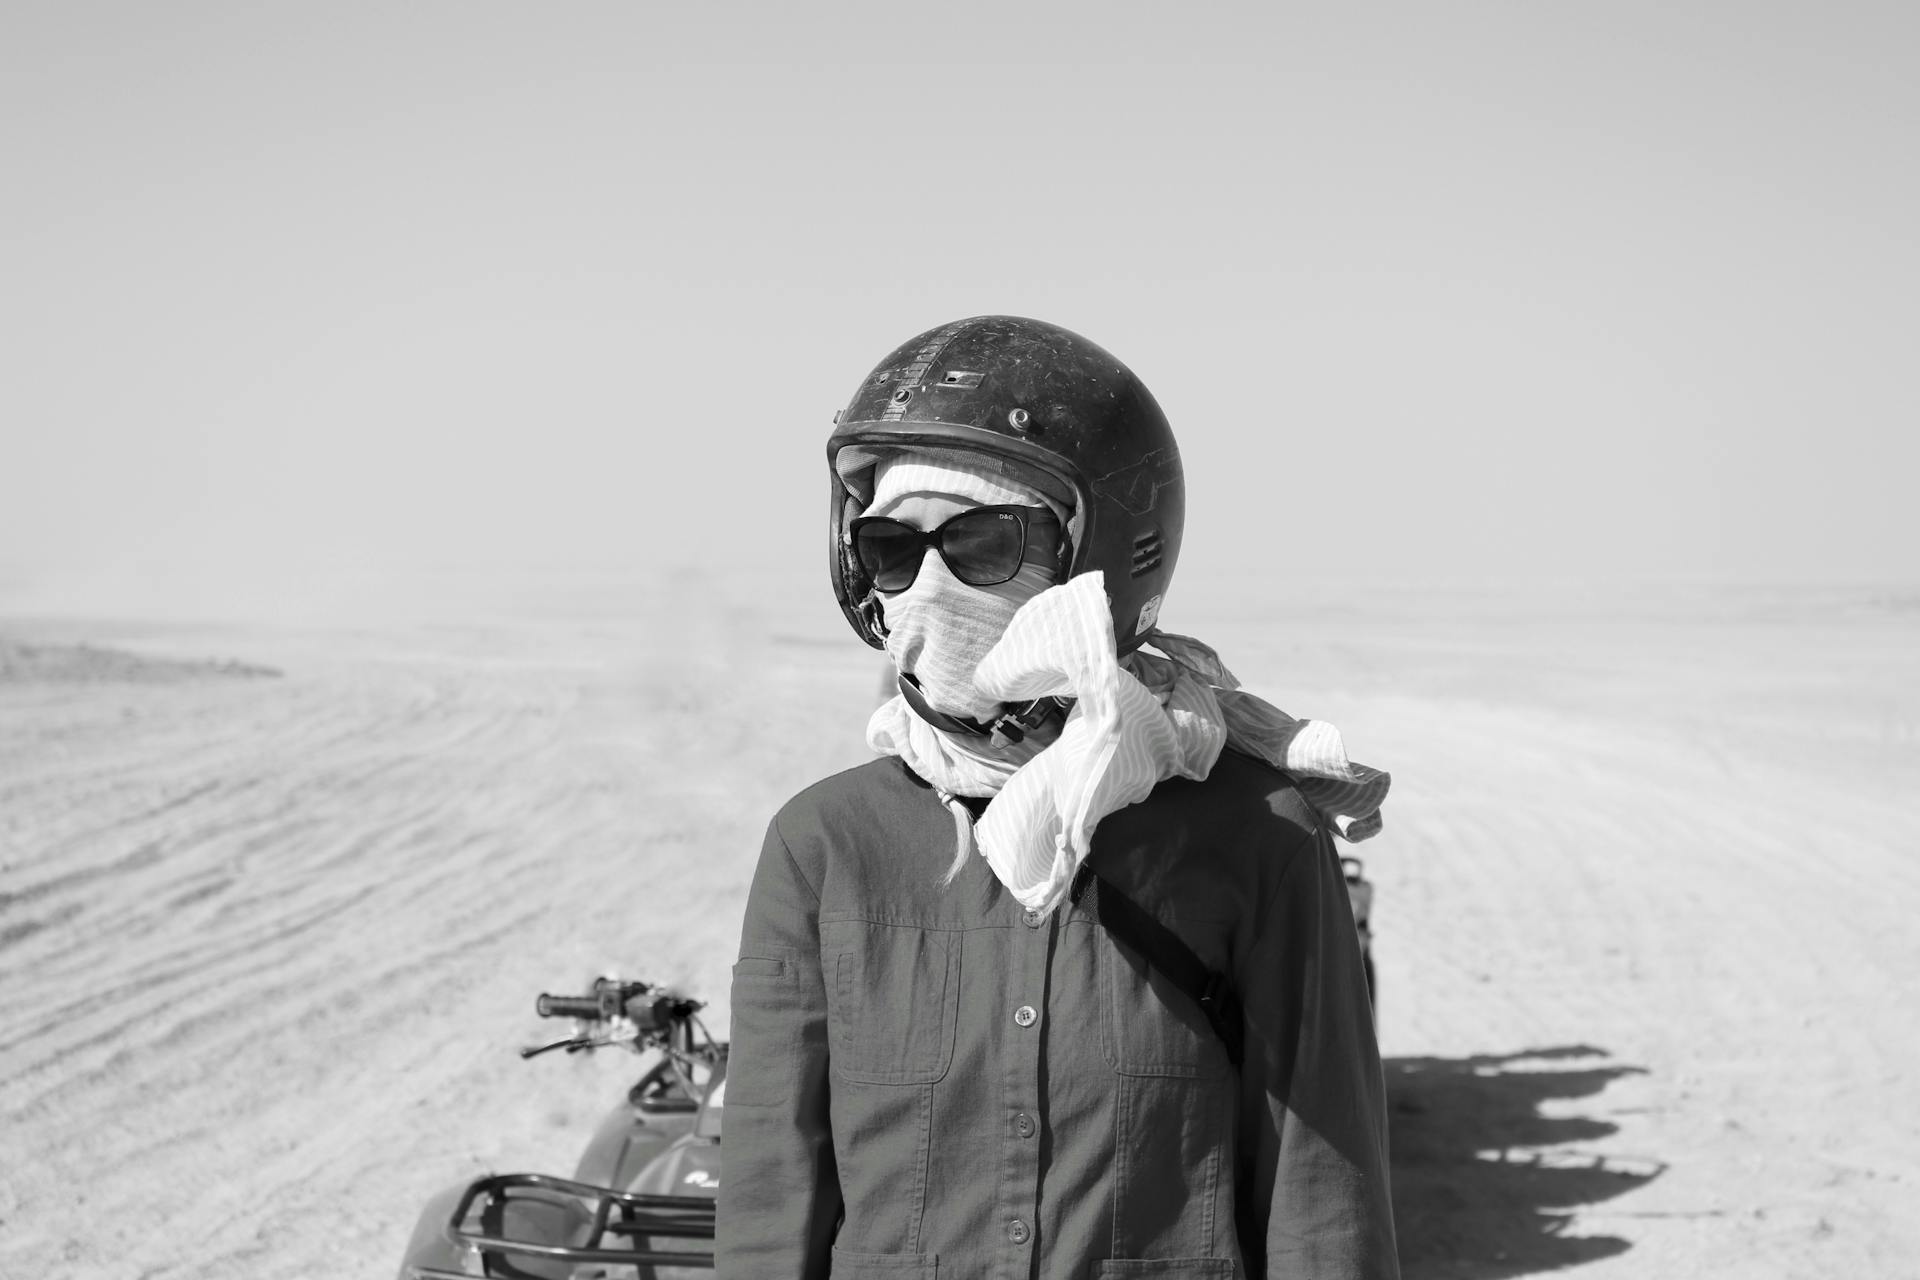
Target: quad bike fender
(689, 1167)
(626, 1142)
(656, 1112)
(432, 1250)
(435, 1253)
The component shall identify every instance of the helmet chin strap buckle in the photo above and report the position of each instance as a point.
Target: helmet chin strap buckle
(1010, 726)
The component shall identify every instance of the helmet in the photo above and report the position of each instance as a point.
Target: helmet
(1049, 405)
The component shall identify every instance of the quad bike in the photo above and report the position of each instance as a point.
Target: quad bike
(640, 1203)
(1360, 897)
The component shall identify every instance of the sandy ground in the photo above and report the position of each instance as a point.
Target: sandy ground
(274, 902)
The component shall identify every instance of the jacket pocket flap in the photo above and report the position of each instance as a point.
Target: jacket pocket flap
(759, 967)
(1166, 1268)
(884, 1266)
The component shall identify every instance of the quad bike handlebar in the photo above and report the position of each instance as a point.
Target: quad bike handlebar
(642, 1003)
(582, 1007)
(639, 1015)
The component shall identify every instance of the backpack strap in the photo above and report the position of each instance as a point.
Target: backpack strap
(1163, 949)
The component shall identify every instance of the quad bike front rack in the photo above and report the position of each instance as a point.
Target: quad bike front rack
(529, 1226)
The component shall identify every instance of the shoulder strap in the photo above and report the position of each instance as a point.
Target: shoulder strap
(1163, 949)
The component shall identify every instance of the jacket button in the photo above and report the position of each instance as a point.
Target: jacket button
(1025, 1015)
(1023, 1125)
(1018, 1231)
(1032, 919)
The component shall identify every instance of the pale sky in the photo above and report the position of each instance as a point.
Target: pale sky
(1526, 291)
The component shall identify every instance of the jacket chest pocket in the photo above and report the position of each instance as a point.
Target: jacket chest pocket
(892, 995)
(1149, 1026)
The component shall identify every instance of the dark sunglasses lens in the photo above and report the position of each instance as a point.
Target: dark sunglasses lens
(983, 547)
(890, 553)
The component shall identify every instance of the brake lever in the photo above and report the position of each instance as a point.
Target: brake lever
(576, 1044)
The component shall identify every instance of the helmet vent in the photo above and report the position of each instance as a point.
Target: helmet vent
(1147, 552)
(963, 378)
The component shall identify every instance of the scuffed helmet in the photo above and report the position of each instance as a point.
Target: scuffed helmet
(1051, 406)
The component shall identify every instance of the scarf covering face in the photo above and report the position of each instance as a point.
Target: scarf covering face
(1135, 721)
(939, 628)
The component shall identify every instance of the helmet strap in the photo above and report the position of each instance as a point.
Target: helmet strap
(1012, 725)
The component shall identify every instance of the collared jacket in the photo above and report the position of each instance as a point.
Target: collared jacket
(928, 1081)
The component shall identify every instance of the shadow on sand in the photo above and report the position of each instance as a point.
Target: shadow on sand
(1474, 1196)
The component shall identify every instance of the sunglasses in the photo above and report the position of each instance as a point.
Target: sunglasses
(983, 547)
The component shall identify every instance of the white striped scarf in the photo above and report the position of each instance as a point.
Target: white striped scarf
(1135, 722)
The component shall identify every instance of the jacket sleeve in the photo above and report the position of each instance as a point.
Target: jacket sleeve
(779, 1189)
(1313, 1141)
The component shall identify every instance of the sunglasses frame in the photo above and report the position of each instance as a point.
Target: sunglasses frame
(1027, 517)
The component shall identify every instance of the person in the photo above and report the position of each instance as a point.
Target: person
(948, 1056)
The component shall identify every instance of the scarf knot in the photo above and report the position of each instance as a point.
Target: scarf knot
(1135, 722)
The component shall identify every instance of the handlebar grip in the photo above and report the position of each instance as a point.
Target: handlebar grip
(566, 1006)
